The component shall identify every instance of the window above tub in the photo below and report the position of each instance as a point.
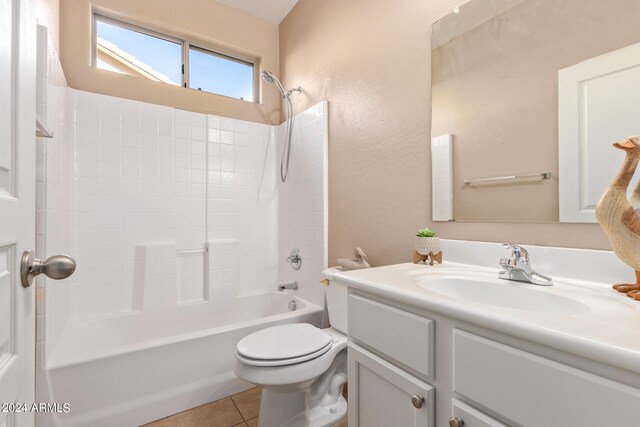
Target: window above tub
(125, 48)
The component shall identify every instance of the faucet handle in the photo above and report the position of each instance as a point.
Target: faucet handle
(294, 258)
(518, 252)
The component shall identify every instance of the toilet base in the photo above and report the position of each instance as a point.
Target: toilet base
(290, 410)
(319, 404)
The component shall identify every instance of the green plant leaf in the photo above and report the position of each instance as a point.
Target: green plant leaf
(426, 232)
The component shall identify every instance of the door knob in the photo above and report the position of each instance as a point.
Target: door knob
(55, 267)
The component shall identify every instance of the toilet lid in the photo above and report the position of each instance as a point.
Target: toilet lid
(283, 342)
(283, 362)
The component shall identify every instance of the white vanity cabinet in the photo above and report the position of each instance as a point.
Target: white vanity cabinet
(409, 367)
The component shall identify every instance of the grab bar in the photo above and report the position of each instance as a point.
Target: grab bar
(541, 175)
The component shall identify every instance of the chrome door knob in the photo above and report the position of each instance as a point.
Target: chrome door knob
(55, 267)
(456, 422)
(418, 401)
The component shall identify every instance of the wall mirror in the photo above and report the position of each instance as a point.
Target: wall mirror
(527, 98)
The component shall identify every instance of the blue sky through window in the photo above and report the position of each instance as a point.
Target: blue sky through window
(213, 73)
(208, 71)
(162, 55)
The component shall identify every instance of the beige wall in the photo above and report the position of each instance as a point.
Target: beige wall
(371, 60)
(495, 88)
(200, 20)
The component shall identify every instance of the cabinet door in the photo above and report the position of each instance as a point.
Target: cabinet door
(382, 395)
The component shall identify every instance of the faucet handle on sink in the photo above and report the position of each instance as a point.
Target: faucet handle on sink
(504, 261)
(518, 252)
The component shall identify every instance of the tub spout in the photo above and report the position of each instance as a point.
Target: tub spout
(292, 286)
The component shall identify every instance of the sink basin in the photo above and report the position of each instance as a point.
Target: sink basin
(486, 288)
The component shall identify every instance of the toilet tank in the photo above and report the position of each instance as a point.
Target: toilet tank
(337, 305)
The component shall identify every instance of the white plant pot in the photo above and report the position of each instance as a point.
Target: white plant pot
(426, 245)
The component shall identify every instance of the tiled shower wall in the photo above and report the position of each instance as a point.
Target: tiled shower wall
(149, 175)
(166, 208)
(302, 202)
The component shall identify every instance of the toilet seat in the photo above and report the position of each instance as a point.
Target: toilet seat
(294, 374)
(283, 362)
(283, 345)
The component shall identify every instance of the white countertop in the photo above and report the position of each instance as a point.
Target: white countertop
(609, 333)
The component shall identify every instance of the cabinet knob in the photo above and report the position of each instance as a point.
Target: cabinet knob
(417, 401)
(456, 422)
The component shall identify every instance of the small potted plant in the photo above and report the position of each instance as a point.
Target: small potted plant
(427, 242)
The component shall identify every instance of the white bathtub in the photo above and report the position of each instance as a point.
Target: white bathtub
(132, 369)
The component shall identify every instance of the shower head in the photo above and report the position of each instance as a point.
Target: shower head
(268, 77)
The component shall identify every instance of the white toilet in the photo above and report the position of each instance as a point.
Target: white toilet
(301, 368)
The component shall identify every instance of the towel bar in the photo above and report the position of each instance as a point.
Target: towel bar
(541, 175)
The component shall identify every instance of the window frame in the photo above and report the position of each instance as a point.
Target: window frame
(186, 44)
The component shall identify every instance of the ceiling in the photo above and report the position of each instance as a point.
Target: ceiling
(270, 10)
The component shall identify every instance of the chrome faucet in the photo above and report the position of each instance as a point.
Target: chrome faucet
(293, 286)
(519, 269)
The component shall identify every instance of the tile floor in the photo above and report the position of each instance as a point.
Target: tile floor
(239, 410)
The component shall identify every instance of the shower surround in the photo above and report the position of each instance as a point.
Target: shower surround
(180, 228)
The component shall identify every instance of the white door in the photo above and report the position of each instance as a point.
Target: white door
(17, 207)
(597, 106)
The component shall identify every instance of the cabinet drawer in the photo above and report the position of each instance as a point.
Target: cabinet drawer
(403, 336)
(382, 395)
(534, 391)
(472, 417)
